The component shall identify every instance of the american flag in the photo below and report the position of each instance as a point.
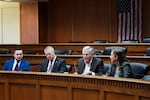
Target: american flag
(129, 20)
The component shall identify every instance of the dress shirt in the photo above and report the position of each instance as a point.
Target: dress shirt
(50, 65)
(87, 68)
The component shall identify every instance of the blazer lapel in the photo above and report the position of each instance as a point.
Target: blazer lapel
(55, 64)
(93, 65)
(82, 67)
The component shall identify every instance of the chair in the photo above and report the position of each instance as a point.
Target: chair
(139, 70)
(30, 52)
(4, 51)
(130, 41)
(146, 77)
(77, 42)
(147, 53)
(97, 52)
(63, 52)
(107, 50)
(106, 68)
(100, 41)
(146, 40)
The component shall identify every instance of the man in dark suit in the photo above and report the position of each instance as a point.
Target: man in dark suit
(18, 63)
(90, 65)
(52, 63)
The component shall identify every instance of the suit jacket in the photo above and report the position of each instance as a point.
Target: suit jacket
(125, 69)
(97, 66)
(24, 65)
(58, 67)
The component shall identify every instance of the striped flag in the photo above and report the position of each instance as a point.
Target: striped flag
(129, 20)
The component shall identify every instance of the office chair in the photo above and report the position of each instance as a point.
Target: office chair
(146, 40)
(100, 41)
(130, 41)
(4, 51)
(147, 53)
(107, 50)
(106, 68)
(139, 70)
(63, 52)
(97, 52)
(30, 52)
(146, 77)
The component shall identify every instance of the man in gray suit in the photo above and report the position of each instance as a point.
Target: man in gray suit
(90, 65)
(52, 63)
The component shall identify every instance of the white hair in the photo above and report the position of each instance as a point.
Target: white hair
(49, 48)
(88, 48)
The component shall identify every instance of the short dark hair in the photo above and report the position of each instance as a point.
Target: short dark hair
(17, 49)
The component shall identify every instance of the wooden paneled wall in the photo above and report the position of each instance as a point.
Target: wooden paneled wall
(146, 16)
(73, 20)
(29, 23)
(79, 20)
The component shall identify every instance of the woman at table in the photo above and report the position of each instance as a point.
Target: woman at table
(120, 67)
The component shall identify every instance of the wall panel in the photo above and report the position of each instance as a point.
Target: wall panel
(53, 93)
(85, 94)
(29, 23)
(26, 91)
(2, 91)
(79, 20)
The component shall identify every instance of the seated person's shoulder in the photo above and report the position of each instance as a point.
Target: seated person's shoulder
(125, 63)
(60, 58)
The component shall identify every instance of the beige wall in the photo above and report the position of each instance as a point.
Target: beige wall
(9, 23)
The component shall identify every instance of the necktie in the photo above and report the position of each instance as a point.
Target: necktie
(50, 66)
(16, 67)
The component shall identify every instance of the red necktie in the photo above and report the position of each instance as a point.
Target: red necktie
(16, 67)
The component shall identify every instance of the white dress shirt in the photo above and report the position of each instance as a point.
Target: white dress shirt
(87, 68)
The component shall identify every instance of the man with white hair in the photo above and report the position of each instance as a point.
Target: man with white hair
(52, 63)
(89, 65)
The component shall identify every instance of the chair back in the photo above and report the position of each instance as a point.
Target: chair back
(107, 50)
(146, 40)
(30, 52)
(147, 53)
(100, 41)
(146, 77)
(63, 52)
(4, 51)
(106, 68)
(139, 70)
(97, 52)
(130, 41)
